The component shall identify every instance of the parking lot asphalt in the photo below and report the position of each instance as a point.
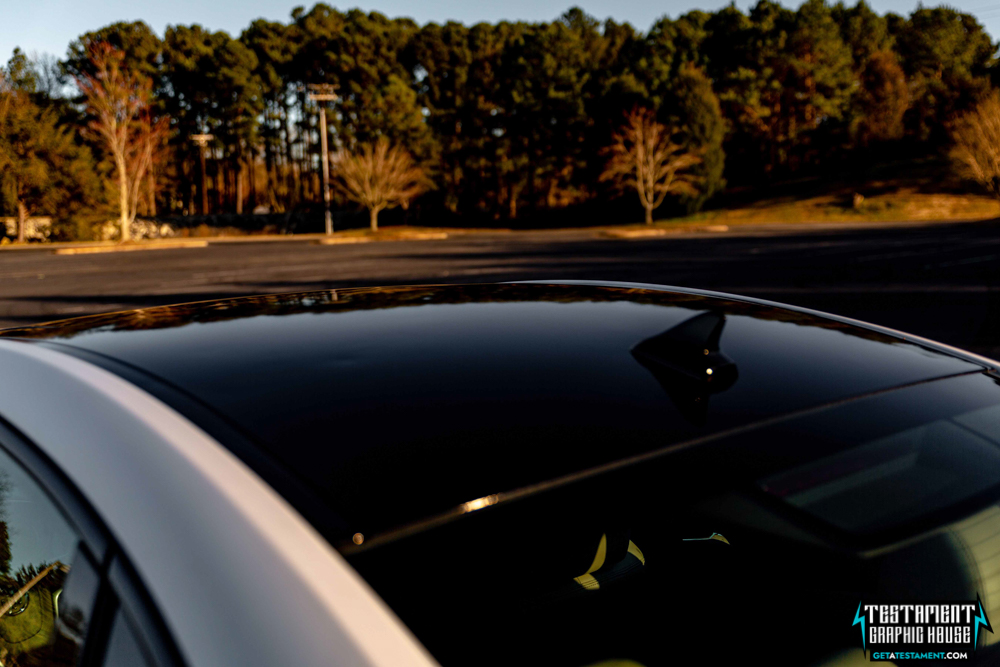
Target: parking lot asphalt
(939, 281)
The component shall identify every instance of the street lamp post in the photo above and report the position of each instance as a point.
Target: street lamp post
(202, 140)
(323, 92)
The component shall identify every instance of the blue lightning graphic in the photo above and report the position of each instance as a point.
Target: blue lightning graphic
(860, 618)
(980, 620)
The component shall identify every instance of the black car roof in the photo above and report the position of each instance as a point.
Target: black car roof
(395, 404)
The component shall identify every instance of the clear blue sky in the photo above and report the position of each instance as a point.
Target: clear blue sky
(48, 26)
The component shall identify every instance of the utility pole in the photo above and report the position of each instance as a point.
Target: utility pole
(324, 92)
(202, 141)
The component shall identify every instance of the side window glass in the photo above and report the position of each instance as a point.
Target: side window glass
(37, 547)
(76, 602)
(124, 648)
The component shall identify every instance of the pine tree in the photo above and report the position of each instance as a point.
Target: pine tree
(695, 108)
(42, 168)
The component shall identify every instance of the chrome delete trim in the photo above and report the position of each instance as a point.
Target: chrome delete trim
(239, 577)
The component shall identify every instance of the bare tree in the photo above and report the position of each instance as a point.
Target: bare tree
(148, 151)
(976, 149)
(645, 157)
(119, 104)
(379, 177)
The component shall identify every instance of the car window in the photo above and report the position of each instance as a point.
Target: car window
(893, 479)
(38, 550)
(124, 648)
(722, 537)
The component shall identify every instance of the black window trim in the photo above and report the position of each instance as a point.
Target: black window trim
(120, 589)
(134, 601)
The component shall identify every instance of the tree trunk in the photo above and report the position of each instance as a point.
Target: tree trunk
(151, 182)
(252, 182)
(373, 218)
(22, 222)
(292, 184)
(204, 180)
(649, 215)
(220, 184)
(123, 200)
(239, 186)
(268, 171)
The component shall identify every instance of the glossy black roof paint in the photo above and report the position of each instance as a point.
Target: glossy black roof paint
(394, 404)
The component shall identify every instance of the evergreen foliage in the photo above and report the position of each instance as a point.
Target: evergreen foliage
(509, 120)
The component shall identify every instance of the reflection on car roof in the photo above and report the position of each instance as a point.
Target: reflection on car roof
(394, 404)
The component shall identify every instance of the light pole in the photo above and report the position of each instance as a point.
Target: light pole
(202, 141)
(324, 92)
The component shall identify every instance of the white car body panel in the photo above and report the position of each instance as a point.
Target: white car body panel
(239, 577)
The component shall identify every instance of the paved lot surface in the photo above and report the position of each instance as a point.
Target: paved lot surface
(940, 281)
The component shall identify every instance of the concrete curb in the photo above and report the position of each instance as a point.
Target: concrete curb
(628, 233)
(90, 250)
(658, 231)
(413, 236)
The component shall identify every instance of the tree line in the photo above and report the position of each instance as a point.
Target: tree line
(506, 121)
